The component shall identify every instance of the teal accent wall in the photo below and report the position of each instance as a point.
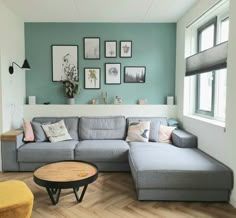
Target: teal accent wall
(154, 46)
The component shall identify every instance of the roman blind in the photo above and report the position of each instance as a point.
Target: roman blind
(214, 58)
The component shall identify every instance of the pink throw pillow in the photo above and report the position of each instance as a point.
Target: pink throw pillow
(29, 134)
(165, 133)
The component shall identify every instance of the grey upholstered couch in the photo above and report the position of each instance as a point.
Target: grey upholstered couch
(160, 171)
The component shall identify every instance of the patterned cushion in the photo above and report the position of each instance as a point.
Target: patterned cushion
(165, 133)
(57, 132)
(138, 132)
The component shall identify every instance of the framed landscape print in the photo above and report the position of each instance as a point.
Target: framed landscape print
(92, 78)
(126, 49)
(112, 73)
(64, 62)
(110, 49)
(92, 48)
(135, 74)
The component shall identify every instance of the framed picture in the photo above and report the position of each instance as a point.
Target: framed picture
(92, 78)
(64, 62)
(125, 49)
(92, 48)
(135, 74)
(112, 73)
(110, 49)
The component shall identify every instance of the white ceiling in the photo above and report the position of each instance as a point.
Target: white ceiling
(100, 10)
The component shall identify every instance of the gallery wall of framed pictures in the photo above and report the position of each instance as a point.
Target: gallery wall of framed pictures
(65, 63)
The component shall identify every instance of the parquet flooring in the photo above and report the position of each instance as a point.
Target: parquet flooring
(113, 196)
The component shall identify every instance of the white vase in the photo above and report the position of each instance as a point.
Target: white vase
(71, 100)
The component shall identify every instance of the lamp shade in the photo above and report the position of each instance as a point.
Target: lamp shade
(211, 59)
(26, 65)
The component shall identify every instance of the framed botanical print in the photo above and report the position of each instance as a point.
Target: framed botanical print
(113, 73)
(126, 49)
(92, 78)
(135, 74)
(91, 48)
(64, 62)
(110, 49)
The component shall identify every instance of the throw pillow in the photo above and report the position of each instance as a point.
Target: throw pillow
(165, 133)
(39, 133)
(138, 132)
(57, 132)
(28, 131)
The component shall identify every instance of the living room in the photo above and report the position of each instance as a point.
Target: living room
(159, 39)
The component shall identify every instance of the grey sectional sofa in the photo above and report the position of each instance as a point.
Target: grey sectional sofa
(160, 171)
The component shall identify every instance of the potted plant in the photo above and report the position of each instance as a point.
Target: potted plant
(71, 88)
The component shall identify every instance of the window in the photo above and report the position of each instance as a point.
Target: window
(211, 86)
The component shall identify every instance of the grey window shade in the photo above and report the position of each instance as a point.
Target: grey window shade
(214, 58)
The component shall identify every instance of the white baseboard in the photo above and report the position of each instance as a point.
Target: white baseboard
(233, 202)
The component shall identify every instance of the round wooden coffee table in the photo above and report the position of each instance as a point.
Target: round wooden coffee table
(65, 175)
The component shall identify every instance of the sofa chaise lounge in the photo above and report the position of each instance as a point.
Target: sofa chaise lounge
(161, 171)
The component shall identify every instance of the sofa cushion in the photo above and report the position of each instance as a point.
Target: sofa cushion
(113, 127)
(157, 165)
(71, 124)
(102, 151)
(154, 126)
(40, 135)
(57, 132)
(47, 151)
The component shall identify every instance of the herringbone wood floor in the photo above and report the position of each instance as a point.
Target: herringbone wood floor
(113, 196)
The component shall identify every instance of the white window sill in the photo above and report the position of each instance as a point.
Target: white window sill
(207, 120)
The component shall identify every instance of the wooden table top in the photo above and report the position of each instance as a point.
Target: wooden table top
(66, 171)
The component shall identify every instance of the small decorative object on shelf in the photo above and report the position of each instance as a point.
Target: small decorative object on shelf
(32, 100)
(71, 83)
(117, 100)
(104, 97)
(93, 101)
(170, 100)
(142, 101)
(71, 89)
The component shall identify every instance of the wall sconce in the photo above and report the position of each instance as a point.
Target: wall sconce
(25, 66)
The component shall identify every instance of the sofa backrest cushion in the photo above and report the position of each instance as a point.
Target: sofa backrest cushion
(71, 124)
(112, 127)
(154, 127)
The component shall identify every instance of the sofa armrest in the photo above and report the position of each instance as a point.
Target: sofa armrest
(184, 139)
(10, 142)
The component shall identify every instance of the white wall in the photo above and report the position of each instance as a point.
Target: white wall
(12, 87)
(212, 138)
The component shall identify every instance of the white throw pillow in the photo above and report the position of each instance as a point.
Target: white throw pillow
(165, 133)
(56, 132)
(138, 132)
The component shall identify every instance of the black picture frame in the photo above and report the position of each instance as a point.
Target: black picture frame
(112, 73)
(126, 48)
(92, 48)
(64, 62)
(110, 48)
(89, 82)
(135, 74)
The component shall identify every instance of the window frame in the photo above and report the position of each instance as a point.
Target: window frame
(198, 111)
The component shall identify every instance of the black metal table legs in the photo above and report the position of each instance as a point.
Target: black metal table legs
(54, 194)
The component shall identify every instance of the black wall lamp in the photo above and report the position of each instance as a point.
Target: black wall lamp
(25, 66)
